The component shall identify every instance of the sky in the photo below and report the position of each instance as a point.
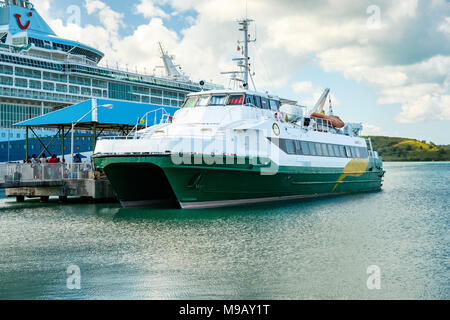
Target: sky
(386, 62)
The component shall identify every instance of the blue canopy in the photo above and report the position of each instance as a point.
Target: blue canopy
(122, 114)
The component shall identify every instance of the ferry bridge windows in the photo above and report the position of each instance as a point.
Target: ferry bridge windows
(274, 105)
(203, 101)
(258, 101)
(217, 100)
(190, 102)
(249, 100)
(265, 103)
(235, 100)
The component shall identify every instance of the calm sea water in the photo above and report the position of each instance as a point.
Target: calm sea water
(317, 249)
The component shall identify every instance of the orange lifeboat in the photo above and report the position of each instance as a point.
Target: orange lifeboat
(335, 121)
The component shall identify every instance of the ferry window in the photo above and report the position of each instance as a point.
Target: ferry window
(249, 100)
(325, 150)
(348, 152)
(353, 151)
(290, 148)
(235, 100)
(258, 101)
(274, 105)
(189, 103)
(298, 147)
(319, 149)
(331, 150)
(217, 100)
(337, 152)
(305, 148)
(265, 103)
(203, 101)
(312, 148)
(342, 151)
(356, 153)
(364, 153)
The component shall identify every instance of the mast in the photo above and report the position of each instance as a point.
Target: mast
(243, 63)
(245, 23)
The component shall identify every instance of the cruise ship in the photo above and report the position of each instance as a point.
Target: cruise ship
(240, 146)
(41, 72)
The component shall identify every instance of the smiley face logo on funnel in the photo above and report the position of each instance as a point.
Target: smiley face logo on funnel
(22, 26)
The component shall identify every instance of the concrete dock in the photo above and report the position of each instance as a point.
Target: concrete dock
(53, 180)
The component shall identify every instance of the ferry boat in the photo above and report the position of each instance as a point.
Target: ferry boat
(41, 72)
(238, 146)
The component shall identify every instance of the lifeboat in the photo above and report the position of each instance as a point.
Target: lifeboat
(335, 121)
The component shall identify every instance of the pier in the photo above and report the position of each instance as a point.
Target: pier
(54, 180)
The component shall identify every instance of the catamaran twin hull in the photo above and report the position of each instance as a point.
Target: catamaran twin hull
(144, 180)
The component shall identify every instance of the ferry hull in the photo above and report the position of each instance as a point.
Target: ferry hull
(149, 180)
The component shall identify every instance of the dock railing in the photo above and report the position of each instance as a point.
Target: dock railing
(14, 173)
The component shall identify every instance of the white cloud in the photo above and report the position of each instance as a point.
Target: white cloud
(445, 26)
(372, 130)
(111, 19)
(149, 10)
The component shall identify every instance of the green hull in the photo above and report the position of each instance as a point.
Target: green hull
(147, 180)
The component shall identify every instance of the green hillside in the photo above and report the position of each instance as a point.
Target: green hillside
(403, 149)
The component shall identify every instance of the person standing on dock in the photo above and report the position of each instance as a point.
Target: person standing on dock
(43, 158)
(35, 166)
(54, 161)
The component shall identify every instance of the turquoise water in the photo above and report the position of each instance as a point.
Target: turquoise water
(318, 249)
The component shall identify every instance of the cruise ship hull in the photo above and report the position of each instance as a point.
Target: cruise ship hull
(146, 180)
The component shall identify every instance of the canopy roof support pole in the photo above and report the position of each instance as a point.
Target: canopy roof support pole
(94, 134)
(62, 144)
(27, 155)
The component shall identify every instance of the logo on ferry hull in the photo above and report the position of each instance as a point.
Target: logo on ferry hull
(22, 26)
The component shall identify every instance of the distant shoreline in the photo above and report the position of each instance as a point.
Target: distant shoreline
(394, 149)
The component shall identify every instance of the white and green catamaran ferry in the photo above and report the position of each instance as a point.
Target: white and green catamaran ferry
(237, 146)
